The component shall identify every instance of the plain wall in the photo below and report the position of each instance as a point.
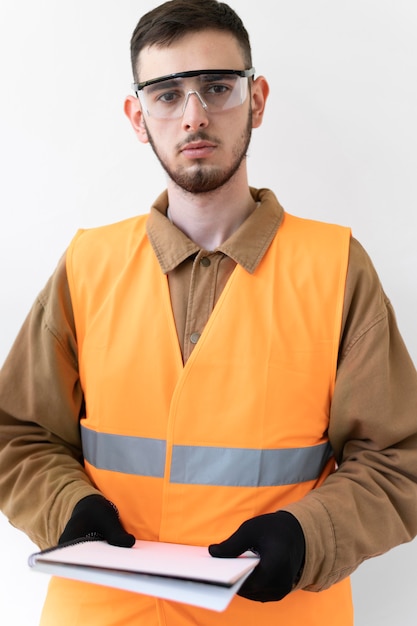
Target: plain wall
(338, 143)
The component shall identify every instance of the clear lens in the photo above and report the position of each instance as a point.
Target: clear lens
(167, 99)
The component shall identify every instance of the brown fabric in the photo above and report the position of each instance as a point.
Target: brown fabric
(368, 506)
(196, 277)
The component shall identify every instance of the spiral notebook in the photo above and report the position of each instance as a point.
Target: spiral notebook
(177, 572)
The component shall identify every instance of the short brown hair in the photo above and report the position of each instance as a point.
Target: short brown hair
(173, 19)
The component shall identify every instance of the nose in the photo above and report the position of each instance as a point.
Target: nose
(194, 112)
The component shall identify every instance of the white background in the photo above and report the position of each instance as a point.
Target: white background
(338, 143)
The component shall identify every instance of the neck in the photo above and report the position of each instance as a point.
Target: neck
(210, 218)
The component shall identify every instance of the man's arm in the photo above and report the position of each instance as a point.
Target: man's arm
(369, 504)
(41, 473)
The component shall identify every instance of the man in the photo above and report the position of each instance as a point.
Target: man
(217, 373)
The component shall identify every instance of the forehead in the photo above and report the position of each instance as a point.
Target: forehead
(206, 50)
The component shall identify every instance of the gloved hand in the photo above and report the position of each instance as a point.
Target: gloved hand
(94, 516)
(279, 541)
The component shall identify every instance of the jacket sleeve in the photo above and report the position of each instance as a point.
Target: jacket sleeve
(41, 401)
(369, 505)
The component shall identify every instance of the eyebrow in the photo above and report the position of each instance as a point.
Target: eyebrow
(170, 83)
(213, 77)
(165, 84)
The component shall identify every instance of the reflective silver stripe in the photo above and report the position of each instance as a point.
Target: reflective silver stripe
(237, 467)
(205, 465)
(130, 455)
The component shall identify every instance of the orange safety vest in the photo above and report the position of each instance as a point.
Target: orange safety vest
(188, 452)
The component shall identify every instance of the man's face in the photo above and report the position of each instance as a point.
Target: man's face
(201, 150)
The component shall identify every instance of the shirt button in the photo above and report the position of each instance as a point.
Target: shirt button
(194, 337)
(205, 261)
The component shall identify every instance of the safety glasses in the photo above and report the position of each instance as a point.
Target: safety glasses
(166, 97)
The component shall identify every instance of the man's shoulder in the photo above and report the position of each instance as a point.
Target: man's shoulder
(116, 234)
(120, 227)
(308, 223)
(315, 236)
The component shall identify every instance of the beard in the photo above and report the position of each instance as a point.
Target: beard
(202, 177)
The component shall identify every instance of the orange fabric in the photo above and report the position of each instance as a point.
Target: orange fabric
(70, 603)
(275, 347)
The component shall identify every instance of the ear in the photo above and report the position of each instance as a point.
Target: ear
(134, 113)
(259, 95)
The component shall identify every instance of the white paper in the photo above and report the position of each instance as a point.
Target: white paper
(176, 572)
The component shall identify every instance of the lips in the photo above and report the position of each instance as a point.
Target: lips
(198, 149)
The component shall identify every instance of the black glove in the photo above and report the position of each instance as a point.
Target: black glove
(94, 516)
(279, 541)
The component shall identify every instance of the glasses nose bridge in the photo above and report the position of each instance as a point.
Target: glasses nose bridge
(193, 92)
